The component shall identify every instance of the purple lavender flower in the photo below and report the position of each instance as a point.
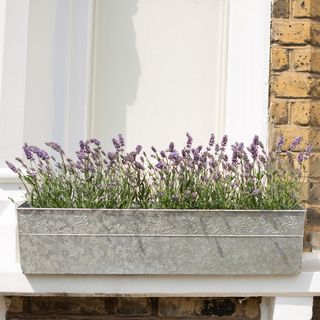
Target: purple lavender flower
(160, 165)
(79, 165)
(81, 144)
(174, 156)
(91, 168)
(27, 152)
(154, 149)
(199, 148)
(194, 195)
(280, 142)
(138, 148)
(295, 143)
(189, 140)
(55, 146)
(111, 156)
(95, 141)
(87, 148)
(256, 140)
(81, 155)
(121, 140)
(196, 156)
(162, 154)
(139, 165)
(116, 143)
(171, 147)
(12, 167)
(308, 150)
(262, 159)
(42, 154)
(300, 157)
(224, 141)
(234, 158)
(253, 151)
(213, 163)
(211, 140)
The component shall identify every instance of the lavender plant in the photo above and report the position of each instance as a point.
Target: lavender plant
(195, 177)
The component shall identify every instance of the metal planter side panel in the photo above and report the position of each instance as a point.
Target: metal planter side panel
(82, 241)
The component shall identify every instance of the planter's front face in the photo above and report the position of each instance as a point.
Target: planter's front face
(84, 241)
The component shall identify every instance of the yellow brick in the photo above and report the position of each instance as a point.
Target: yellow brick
(302, 59)
(295, 85)
(279, 59)
(315, 60)
(252, 308)
(305, 112)
(306, 8)
(315, 34)
(291, 32)
(306, 59)
(313, 219)
(314, 165)
(314, 192)
(280, 9)
(278, 112)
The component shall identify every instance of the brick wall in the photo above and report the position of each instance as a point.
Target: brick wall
(295, 92)
(123, 308)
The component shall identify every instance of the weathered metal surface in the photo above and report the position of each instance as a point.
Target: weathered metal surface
(217, 242)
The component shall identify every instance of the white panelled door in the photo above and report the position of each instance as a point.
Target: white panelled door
(159, 70)
(149, 69)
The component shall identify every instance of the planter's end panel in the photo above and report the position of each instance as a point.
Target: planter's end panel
(160, 242)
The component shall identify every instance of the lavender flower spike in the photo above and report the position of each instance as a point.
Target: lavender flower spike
(189, 140)
(280, 142)
(224, 141)
(211, 140)
(295, 143)
(54, 146)
(308, 150)
(300, 157)
(27, 152)
(121, 140)
(256, 140)
(11, 167)
(95, 141)
(116, 143)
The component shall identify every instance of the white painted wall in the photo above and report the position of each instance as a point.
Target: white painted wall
(159, 70)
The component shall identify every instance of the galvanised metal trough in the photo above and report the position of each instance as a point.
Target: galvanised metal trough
(160, 242)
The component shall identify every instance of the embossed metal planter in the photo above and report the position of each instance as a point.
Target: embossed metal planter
(198, 242)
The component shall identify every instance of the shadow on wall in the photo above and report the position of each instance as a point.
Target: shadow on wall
(117, 68)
